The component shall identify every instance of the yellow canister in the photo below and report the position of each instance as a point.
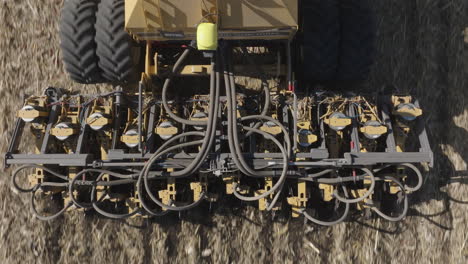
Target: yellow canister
(207, 36)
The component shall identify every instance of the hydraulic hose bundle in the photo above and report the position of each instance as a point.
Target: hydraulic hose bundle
(97, 182)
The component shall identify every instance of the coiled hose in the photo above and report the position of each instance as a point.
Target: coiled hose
(334, 222)
(176, 70)
(221, 62)
(405, 203)
(101, 211)
(363, 197)
(205, 148)
(234, 143)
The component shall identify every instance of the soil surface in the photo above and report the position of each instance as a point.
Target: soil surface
(420, 49)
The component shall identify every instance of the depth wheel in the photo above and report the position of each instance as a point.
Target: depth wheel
(77, 41)
(115, 47)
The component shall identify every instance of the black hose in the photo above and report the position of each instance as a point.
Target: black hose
(90, 183)
(234, 144)
(330, 223)
(287, 139)
(418, 174)
(233, 140)
(38, 215)
(220, 62)
(231, 104)
(319, 174)
(284, 172)
(206, 146)
(138, 184)
(405, 203)
(15, 174)
(104, 213)
(177, 68)
(146, 183)
(126, 179)
(234, 135)
(363, 197)
(151, 195)
(266, 91)
(54, 184)
(183, 135)
(209, 136)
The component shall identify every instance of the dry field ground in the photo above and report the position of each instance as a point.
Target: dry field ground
(420, 49)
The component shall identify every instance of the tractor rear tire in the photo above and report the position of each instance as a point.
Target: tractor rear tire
(321, 39)
(114, 44)
(77, 41)
(358, 34)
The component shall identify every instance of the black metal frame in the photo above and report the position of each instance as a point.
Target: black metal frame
(317, 157)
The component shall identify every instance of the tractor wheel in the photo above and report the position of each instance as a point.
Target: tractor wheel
(115, 47)
(77, 40)
(358, 32)
(321, 38)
